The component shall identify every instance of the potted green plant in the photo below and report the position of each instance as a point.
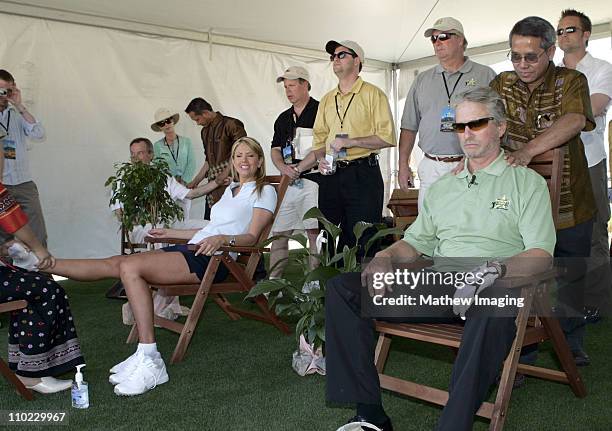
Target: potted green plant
(287, 295)
(146, 199)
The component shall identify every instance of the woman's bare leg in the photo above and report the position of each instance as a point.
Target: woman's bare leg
(90, 269)
(144, 269)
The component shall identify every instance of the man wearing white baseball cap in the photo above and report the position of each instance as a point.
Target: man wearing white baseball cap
(428, 108)
(353, 124)
(292, 140)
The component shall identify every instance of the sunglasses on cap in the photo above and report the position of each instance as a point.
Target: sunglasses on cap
(442, 37)
(568, 30)
(531, 58)
(341, 55)
(473, 125)
(162, 123)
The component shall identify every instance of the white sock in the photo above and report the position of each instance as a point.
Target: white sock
(148, 349)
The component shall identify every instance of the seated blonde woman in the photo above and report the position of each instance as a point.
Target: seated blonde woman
(244, 210)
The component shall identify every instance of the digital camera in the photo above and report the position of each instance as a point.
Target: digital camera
(5, 92)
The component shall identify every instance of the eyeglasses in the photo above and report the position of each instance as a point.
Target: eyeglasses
(341, 55)
(442, 37)
(162, 123)
(530, 58)
(568, 30)
(474, 125)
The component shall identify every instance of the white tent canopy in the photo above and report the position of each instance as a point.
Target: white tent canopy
(94, 72)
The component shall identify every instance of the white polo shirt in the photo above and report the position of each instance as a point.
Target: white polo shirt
(599, 76)
(232, 215)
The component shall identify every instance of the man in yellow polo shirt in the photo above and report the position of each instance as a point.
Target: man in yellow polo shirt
(493, 216)
(353, 124)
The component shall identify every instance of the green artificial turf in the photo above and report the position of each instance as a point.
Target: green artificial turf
(237, 376)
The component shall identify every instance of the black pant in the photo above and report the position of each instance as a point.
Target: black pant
(572, 248)
(350, 342)
(354, 193)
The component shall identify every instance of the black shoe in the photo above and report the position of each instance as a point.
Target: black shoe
(592, 314)
(581, 358)
(385, 426)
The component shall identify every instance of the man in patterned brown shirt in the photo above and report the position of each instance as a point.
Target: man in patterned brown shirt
(218, 135)
(548, 107)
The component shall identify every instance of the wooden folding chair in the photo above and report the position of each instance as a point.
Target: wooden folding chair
(127, 246)
(529, 330)
(405, 207)
(240, 280)
(4, 368)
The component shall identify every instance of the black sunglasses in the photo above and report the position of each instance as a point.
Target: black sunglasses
(441, 37)
(473, 125)
(531, 58)
(162, 123)
(568, 30)
(341, 55)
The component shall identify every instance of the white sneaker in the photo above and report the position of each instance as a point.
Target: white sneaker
(148, 373)
(23, 258)
(124, 370)
(124, 364)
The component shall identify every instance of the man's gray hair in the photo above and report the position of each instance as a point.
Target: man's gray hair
(535, 26)
(488, 97)
(147, 142)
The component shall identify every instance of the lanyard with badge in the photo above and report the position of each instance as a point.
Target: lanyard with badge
(288, 149)
(9, 144)
(342, 152)
(447, 117)
(175, 157)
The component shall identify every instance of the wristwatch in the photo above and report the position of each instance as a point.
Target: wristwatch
(232, 241)
(500, 267)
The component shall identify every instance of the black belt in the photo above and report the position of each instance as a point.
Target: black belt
(449, 159)
(371, 160)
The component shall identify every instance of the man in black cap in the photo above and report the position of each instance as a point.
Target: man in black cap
(353, 124)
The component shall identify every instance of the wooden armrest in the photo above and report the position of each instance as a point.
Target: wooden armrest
(152, 240)
(515, 282)
(236, 249)
(13, 305)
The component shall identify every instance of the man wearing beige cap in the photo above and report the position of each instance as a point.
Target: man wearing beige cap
(292, 140)
(428, 108)
(353, 124)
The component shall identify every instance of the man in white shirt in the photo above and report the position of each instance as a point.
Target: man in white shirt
(19, 124)
(141, 150)
(574, 31)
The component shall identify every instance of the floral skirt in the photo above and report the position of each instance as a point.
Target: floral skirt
(42, 339)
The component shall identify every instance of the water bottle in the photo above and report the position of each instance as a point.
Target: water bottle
(331, 160)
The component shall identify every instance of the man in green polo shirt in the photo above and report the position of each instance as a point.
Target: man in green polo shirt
(492, 215)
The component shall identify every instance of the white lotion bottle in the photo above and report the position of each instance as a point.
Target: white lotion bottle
(80, 390)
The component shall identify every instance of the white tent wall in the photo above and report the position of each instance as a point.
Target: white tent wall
(95, 89)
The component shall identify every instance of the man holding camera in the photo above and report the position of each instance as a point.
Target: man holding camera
(19, 124)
